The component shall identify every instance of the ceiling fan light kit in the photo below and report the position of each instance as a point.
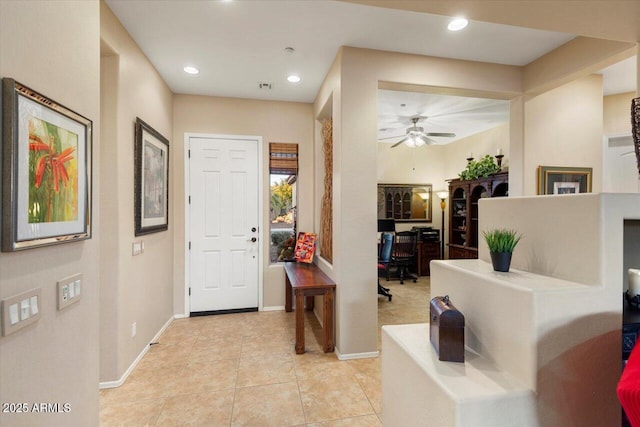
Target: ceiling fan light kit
(417, 137)
(457, 24)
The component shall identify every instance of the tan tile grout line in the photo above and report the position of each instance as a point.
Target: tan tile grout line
(365, 393)
(235, 384)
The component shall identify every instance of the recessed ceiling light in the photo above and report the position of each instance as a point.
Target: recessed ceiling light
(191, 70)
(293, 78)
(457, 24)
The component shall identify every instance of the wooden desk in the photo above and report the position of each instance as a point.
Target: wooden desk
(307, 280)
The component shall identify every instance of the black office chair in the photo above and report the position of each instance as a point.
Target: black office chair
(404, 253)
(384, 259)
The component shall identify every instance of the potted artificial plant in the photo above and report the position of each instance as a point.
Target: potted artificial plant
(501, 243)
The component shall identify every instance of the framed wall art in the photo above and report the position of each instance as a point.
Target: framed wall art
(46, 175)
(564, 180)
(405, 202)
(151, 180)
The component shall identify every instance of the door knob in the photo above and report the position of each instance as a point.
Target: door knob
(253, 239)
(253, 229)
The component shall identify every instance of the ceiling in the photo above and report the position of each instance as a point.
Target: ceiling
(466, 116)
(239, 44)
(463, 116)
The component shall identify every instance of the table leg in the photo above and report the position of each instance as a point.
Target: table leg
(287, 294)
(327, 322)
(299, 323)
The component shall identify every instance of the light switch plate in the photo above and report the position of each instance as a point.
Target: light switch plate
(20, 310)
(136, 248)
(69, 290)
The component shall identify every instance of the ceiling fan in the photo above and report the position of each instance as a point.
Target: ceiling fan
(416, 136)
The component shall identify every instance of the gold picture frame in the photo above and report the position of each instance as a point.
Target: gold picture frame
(405, 202)
(564, 180)
(46, 170)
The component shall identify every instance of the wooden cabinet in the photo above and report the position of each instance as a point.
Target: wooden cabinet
(427, 251)
(463, 211)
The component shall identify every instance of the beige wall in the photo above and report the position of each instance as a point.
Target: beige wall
(619, 166)
(436, 164)
(422, 165)
(563, 127)
(355, 92)
(616, 114)
(560, 233)
(327, 105)
(480, 144)
(576, 59)
(274, 122)
(54, 48)
(134, 289)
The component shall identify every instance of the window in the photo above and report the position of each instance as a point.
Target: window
(283, 174)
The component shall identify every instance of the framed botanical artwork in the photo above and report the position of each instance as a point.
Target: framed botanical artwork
(151, 180)
(564, 180)
(46, 175)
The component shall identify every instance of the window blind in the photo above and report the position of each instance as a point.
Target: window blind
(283, 158)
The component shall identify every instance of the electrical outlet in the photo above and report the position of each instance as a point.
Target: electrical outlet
(69, 290)
(133, 329)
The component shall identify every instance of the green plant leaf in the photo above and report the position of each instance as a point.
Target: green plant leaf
(482, 168)
(501, 239)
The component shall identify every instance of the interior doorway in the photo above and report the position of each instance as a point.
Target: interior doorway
(451, 124)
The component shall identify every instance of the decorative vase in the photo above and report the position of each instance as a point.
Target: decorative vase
(501, 261)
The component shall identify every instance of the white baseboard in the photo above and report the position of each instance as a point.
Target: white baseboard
(274, 308)
(181, 316)
(123, 378)
(352, 356)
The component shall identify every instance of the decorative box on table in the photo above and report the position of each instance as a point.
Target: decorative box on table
(446, 329)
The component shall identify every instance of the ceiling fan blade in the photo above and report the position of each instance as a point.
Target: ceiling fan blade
(427, 140)
(389, 137)
(400, 142)
(442, 134)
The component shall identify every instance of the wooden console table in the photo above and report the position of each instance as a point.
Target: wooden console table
(307, 280)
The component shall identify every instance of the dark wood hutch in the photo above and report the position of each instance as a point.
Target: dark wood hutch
(463, 211)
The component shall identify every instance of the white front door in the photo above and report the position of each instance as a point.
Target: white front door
(225, 252)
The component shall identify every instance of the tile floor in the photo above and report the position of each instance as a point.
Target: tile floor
(242, 370)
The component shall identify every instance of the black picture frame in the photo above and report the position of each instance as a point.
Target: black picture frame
(564, 180)
(46, 170)
(151, 180)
